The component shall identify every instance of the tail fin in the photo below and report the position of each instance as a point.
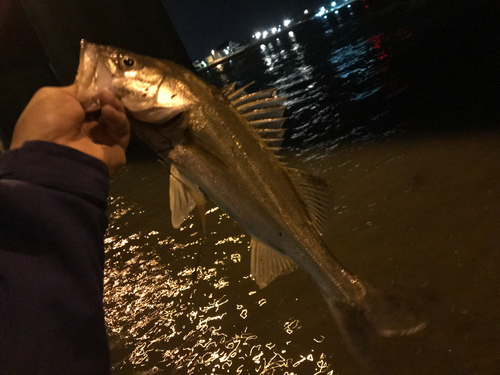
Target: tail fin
(376, 315)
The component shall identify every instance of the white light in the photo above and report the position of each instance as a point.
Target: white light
(349, 6)
(274, 30)
(306, 11)
(322, 12)
(264, 34)
(286, 23)
(258, 34)
(336, 12)
(334, 3)
(213, 52)
(291, 33)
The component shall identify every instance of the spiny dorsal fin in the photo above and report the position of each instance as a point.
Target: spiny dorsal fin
(259, 114)
(316, 193)
(266, 263)
(184, 196)
(262, 104)
(273, 142)
(240, 92)
(268, 93)
(227, 90)
(271, 133)
(268, 123)
(264, 112)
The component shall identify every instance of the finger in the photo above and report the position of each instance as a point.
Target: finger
(116, 125)
(107, 98)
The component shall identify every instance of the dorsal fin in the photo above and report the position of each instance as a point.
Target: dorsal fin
(268, 93)
(266, 263)
(227, 90)
(259, 114)
(264, 112)
(240, 92)
(273, 142)
(268, 123)
(271, 133)
(316, 193)
(261, 104)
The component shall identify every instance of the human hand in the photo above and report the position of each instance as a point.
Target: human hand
(55, 115)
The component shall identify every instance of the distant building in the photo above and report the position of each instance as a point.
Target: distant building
(200, 64)
(215, 55)
(223, 50)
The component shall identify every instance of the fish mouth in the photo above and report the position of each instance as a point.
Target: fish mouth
(92, 76)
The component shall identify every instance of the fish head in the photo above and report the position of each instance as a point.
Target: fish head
(149, 88)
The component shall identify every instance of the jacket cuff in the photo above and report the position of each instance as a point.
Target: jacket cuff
(58, 167)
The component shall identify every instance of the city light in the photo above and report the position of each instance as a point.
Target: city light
(323, 12)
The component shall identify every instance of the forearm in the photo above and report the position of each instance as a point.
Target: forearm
(52, 223)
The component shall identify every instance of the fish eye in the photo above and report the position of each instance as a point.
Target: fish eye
(128, 62)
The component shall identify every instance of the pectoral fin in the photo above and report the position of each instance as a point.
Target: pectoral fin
(268, 263)
(184, 196)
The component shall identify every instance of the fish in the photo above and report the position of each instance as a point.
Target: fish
(222, 145)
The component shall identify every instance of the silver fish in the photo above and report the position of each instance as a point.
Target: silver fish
(222, 144)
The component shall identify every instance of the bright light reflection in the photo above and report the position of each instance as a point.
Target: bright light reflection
(274, 30)
(258, 34)
(286, 23)
(171, 321)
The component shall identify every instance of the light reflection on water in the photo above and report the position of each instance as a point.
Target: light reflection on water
(159, 315)
(419, 216)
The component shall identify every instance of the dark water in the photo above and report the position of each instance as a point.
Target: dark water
(411, 146)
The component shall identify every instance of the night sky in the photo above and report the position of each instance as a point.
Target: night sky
(205, 24)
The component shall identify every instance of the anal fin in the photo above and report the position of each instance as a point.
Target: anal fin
(268, 263)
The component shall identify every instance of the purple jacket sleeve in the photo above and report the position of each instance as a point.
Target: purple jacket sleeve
(52, 225)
